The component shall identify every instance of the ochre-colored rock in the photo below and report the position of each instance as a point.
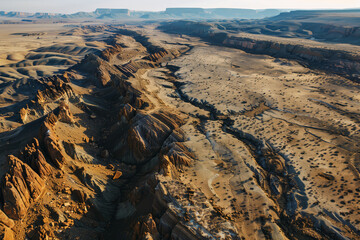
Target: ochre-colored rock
(20, 188)
(24, 114)
(6, 233)
(54, 88)
(51, 142)
(145, 228)
(173, 157)
(179, 155)
(5, 220)
(117, 175)
(54, 150)
(64, 113)
(33, 156)
(166, 167)
(158, 56)
(148, 133)
(109, 52)
(127, 112)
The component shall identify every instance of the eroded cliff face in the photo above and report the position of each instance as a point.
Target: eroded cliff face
(339, 61)
(124, 145)
(335, 61)
(63, 177)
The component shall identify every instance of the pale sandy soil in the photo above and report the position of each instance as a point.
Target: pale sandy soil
(272, 139)
(311, 119)
(42, 54)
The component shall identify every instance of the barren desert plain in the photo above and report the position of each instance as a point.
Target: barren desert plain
(174, 129)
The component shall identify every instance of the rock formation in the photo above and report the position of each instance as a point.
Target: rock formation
(51, 141)
(100, 70)
(64, 113)
(24, 114)
(5, 220)
(33, 156)
(145, 228)
(21, 187)
(148, 133)
(111, 51)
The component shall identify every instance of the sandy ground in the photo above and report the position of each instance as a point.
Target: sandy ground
(40, 50)
(271, 137)
(309, 118)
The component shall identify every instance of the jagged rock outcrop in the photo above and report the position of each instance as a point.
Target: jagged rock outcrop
(145, 228)
(5, 220)
(64, 113)
(160, 55)
(51, 142)
(33, 156)
(174, 155)
(127, 112)
(111, 51)
(50, 89)
(24, 114)
(6, 233)
(21, 186)
(174, 158)
(100, 70)
(167, 168)
(129, 69)
(183, 217)
(342, 62)
(155, 57)
(148, 133)
(178, 154)
(55, 87)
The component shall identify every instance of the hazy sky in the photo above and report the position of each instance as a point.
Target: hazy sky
(70, 6)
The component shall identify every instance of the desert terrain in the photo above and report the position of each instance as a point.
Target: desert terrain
(179, 130)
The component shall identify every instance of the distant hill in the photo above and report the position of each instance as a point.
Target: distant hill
(337, 26)
(348, 17)
(169, 13)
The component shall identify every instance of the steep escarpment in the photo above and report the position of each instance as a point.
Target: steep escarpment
(334, 61)
(338, 61)
(90, 167)
(162, 136)
(50, 90)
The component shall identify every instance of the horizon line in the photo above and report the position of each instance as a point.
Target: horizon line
(284, 9)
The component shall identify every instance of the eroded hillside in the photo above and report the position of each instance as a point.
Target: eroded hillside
(142, 134)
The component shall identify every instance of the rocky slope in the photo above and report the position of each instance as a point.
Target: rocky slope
(165, 137)
(75, 175)
(340, 61)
